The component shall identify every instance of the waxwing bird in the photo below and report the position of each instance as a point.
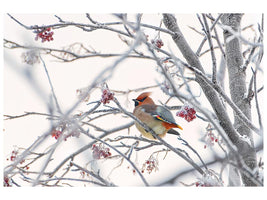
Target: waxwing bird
(157, 117)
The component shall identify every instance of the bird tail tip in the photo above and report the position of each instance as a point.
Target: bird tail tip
(178, 126)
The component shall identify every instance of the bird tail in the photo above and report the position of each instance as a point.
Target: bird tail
(173, 132)
(178, 126)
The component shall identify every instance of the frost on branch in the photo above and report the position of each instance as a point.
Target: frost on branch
(246, 139)
(30, 57)
(82, 94)
(209, 179)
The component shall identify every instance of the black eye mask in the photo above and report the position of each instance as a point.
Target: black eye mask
(142, 99)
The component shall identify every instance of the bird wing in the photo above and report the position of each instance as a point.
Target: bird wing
(159, 112)
(165, 115)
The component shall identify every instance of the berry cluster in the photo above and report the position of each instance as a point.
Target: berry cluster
(166, 87)
(147, 36)
(45, 34)
(106, 96)
(157, 43)
(67, 129)
(7, 182)
(210, 137)
(201, 184)
(84, 174)
(56, 133)
(187, 112)
(150, 165)
(14, 154)
(99, 151)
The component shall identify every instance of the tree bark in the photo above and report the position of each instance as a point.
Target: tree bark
(244, 149)
(237, 84)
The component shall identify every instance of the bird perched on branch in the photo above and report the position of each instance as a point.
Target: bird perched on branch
(157, 117)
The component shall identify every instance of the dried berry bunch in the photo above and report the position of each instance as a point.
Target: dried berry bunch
(150, 165)
(99, 151)
(209, 138)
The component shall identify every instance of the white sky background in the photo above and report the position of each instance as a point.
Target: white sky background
(67, 77)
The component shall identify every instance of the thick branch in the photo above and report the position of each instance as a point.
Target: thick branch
(243, 147)
(192, 59)
(237, 84)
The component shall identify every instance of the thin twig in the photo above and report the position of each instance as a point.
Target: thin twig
(97, 176)
(51, 85)
(205, 38)
(190, 147)
(213, 58)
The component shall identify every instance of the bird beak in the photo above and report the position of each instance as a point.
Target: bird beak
(136, 102)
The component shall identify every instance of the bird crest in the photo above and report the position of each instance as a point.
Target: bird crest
(143, 95)
(143, 99)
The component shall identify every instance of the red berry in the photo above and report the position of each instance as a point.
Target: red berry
(44, 34)
(187, 113)
(106, 96)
